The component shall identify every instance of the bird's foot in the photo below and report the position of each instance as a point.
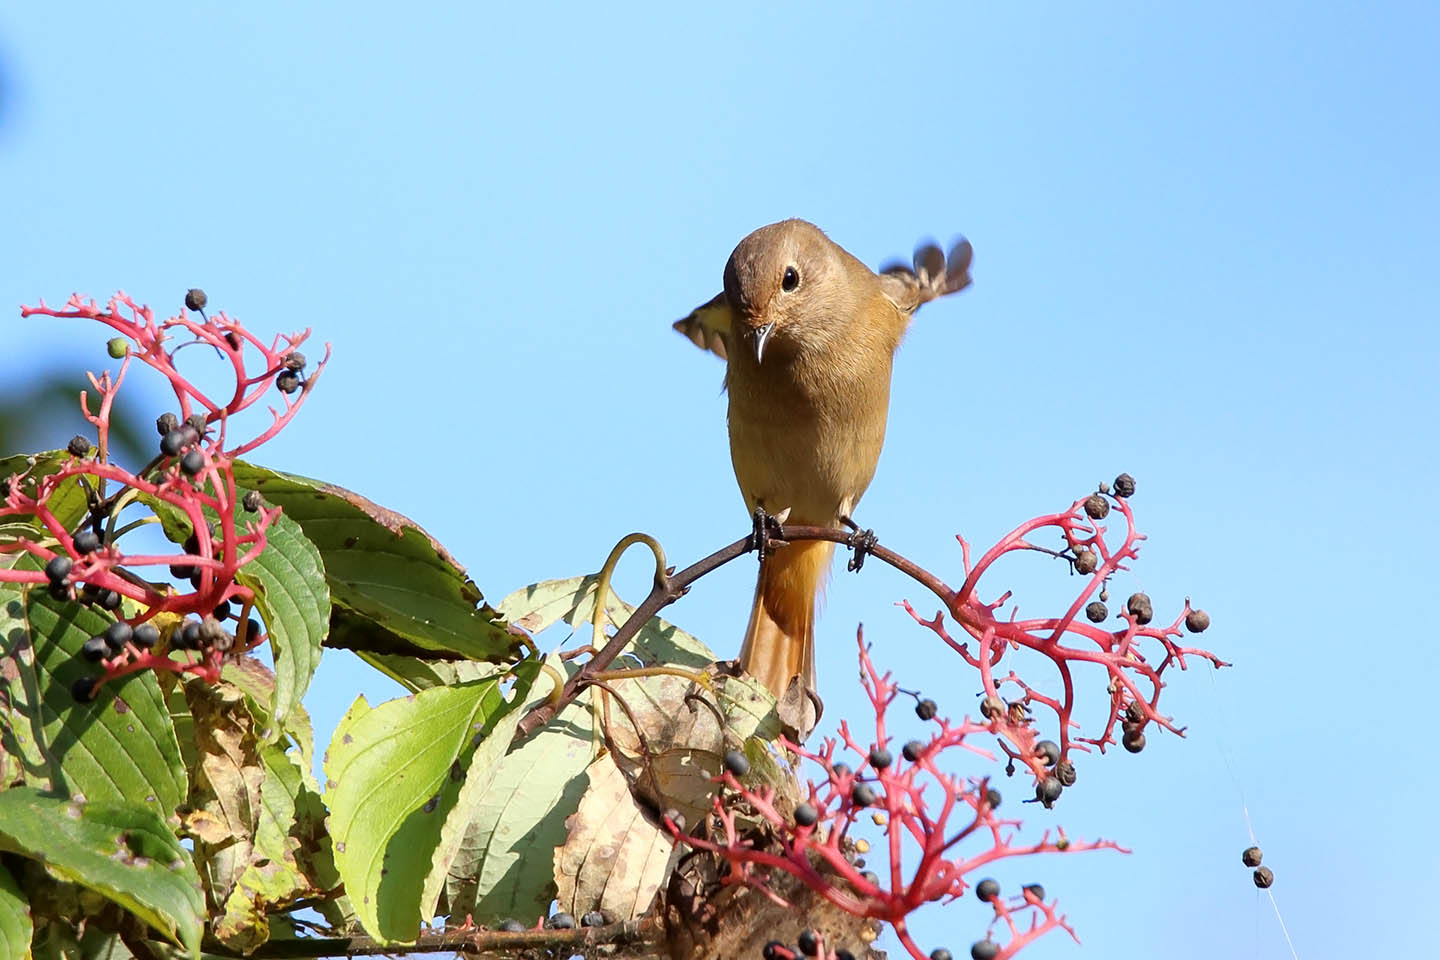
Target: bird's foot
(767, 530)
(861, 541)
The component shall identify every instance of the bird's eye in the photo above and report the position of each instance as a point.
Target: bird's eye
(791, 280)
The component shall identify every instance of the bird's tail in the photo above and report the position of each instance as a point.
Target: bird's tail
(780, 640)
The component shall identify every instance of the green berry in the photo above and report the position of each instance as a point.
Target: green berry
(117, 347)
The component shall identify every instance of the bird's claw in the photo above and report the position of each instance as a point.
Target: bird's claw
(861, 541)
(766, 528)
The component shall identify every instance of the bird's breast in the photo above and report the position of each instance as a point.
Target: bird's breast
(806, 431)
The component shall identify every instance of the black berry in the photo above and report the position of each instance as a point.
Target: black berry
(1065, 773)
(189, 636)
(1049, 751)
(806, 815)
(736, 763)
(561, 921)
(197, 422)
(595, 918)
(118, 634)
(992, 798)
(95, 649)
(173, 442)
(222, 610)
(984, 950)
(181, 571)
(87, 541)
(1124, 485)
(1251, 857)
(252, 501)
(1134, 740)
(193, 462)
(512, 926)
(840, 771)
(912, 750)
(862, 795)
(1047, 791)
(1086, 561)
(195, 299)
(1264, 876)
(294, 361)
(167, 423)
(108, 600)
(940, 953)
(844, 955)
(880, 758)
(288, 382)
(1140, 608)
(771, 950)
(1096, 612)
(987, 889)
(1196, 621)
(926, 709)
(146, 636)
(57, 568)
(78, 446)
(84, 689)
(808, 943)
(1036, 891)
(1096, 507)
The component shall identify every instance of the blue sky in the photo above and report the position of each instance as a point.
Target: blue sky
(1205, 254)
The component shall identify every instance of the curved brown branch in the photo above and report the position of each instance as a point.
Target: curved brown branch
(669, 588)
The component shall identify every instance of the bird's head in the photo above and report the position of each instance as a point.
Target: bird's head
(782, 282)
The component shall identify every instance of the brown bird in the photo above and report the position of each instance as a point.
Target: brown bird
(809, 335)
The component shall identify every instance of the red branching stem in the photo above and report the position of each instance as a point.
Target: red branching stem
(820, 855)
(204, 492)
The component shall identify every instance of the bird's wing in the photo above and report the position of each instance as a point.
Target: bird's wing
(708, 326)
(933, 275)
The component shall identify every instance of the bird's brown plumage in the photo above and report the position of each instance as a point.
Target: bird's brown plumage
(809, 335)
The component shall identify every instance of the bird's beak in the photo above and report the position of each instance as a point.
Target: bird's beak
(758, 336)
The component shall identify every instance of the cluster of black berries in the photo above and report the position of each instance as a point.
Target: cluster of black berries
(183, 440)
(289, 379)
(1263, 875)
(806, 945)
(988, 890)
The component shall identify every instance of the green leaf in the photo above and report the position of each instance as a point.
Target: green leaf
(415, 674)
(395, 589)
(396, 774)
(504, 867)
(68, 504)
(289, 583)
(124, 853)
(16, 929)
(119, 747)
(288, 579)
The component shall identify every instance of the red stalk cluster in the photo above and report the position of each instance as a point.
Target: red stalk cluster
(926, 851)
(194, 479)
